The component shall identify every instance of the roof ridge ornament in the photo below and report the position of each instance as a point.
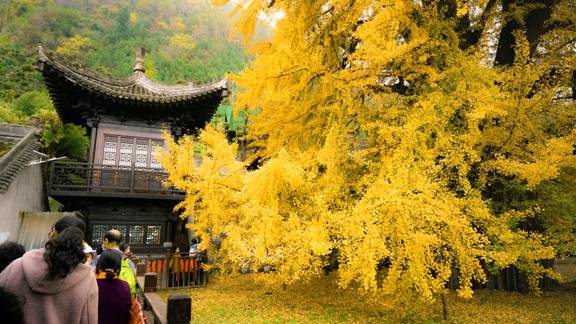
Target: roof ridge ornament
(139, 61)
(41, 53)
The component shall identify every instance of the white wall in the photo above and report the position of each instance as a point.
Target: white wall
(26, 193)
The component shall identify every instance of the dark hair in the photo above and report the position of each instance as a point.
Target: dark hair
(69, 221)
(194, 241)
(124, 247)
(64, 252)
(10, 251)
(113, 235)
(109, 262)
(11, 307)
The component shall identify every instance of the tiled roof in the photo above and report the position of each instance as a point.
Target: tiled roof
(24, 143)
(135, 88)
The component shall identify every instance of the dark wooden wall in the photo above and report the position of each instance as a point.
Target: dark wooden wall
(119, 213)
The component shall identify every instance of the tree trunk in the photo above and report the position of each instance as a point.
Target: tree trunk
(488, 43)
(444, 307)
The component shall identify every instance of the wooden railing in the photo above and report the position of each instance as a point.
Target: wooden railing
(75, 178)
(180, 271)
(178, 309)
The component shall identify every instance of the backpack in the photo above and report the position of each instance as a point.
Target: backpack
(127, 275)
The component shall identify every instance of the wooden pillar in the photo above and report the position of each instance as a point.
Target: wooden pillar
(150, 282)
(140, 269)
(179, 309)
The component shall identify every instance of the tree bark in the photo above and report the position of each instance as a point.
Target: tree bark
(444, 307)
(489, 40)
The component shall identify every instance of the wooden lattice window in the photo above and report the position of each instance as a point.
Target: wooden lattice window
(153, 162)
(153, 234)
(128, 151)
(142, 153)
(110, 150)
(137, 234)
(134, 234)
(98, 231)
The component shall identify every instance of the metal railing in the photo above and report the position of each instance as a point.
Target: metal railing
(98, 178)
(177, 271)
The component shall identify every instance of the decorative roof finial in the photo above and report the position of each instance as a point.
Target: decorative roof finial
(139, 62)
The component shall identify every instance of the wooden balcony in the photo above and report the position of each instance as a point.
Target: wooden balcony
(97, 180)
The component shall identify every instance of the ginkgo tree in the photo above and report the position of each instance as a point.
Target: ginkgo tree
(380, 135)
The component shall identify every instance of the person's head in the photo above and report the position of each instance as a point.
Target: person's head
(112, 239)
(65, 222)
(11, 307)
(64, 252)
(194, 241)
(109, 262)
(89, 253)
(125, 248)
(10, 251)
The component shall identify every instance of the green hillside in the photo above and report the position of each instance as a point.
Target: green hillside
(184, 41)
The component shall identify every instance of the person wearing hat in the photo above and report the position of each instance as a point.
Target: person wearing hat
(89, 253)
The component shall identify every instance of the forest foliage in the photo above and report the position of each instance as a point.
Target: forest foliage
(185, 41)
(388, 143)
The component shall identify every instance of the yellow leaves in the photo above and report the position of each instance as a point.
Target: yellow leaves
(407, 208)
(183, 41)
(462, 9)
(73, 49)
(245, 300)
(278, 177)
(161, 24)
(259, 47)
(133, 18)
(419, 231)
(178, 25)
(151, 70)
(181, 44)
(246, 23)
(319, 238)
(259, 214)
(550, 157)
(521, 49)
(220, 2)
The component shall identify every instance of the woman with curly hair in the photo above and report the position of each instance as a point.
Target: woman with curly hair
(54, 284)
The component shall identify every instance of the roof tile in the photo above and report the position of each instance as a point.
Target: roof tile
(137, 87)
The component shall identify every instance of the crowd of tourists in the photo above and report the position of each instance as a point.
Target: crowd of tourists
(67, 282)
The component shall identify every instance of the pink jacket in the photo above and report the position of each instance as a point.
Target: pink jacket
(70, 300)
